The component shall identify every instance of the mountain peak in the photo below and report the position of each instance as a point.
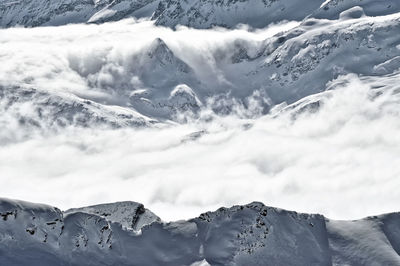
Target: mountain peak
(131, 215)
(158, 48)
(161, 55)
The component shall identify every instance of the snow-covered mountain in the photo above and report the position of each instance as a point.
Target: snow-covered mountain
(259, 13)
(32, 107)
(35, 13)
(126, 233)
(159, 78)
(331, 9)
(192, 13)
(108, 71)
(228, 13)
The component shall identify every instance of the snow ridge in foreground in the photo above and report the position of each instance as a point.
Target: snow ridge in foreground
(125, 233)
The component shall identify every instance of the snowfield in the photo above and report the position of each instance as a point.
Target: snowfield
(187, 106)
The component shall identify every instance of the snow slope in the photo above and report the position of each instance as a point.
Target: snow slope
(253, 234)
(331, 9)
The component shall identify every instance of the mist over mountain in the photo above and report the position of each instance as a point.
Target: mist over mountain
(187, 106)
(135, 72)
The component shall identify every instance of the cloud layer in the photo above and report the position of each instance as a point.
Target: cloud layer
(340, 159)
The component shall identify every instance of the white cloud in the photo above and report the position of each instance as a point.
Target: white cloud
(342, 161)
(85, 59)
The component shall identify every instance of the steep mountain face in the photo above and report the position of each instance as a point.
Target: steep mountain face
(163, 75)
(229, 13)
(35, 13)
(126, 233)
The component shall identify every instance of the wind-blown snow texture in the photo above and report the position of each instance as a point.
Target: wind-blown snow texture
(253, 234)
